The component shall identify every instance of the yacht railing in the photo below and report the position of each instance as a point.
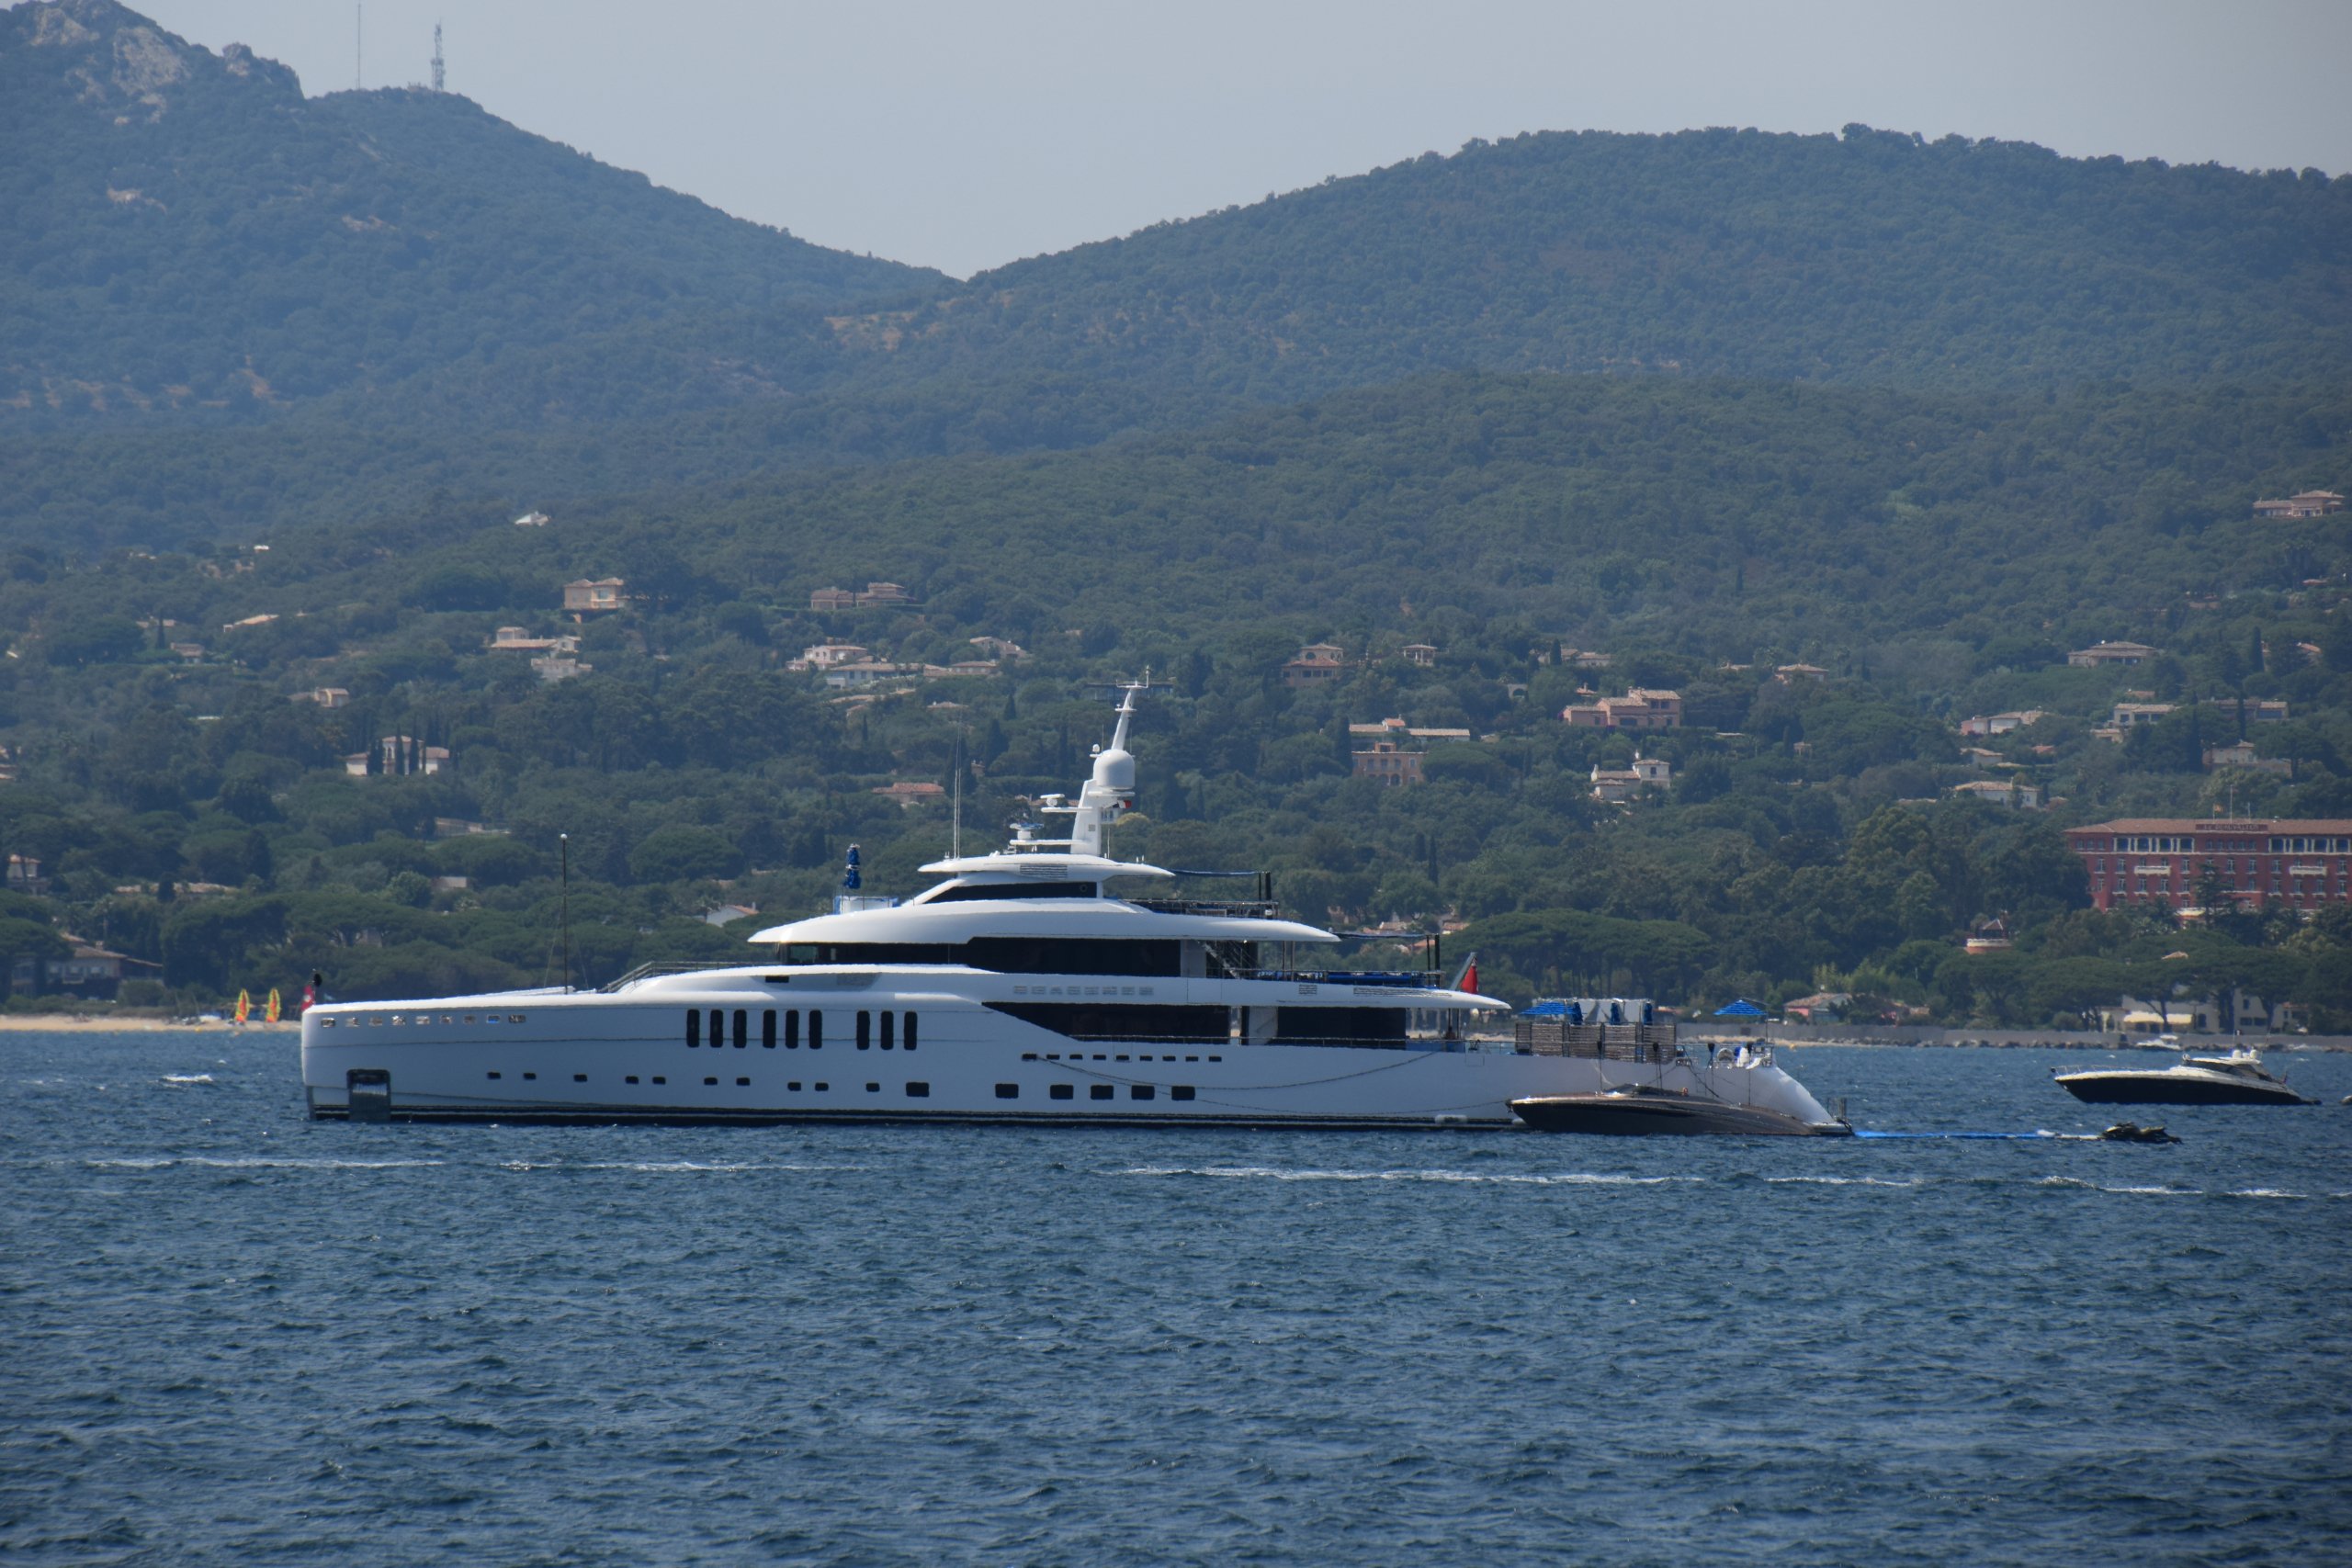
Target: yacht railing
(1604, 1042)
(674, 967)
(1414, 979)
(1226, 909)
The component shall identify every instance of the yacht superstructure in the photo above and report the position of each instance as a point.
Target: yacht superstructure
(1043, 983)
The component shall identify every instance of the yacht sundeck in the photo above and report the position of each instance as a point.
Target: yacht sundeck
(1028, 985)
(2238, 1079)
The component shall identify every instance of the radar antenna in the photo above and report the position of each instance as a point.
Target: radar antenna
(437, 76)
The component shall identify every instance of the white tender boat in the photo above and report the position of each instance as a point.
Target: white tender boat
(1028, 987)
(2238, 1079)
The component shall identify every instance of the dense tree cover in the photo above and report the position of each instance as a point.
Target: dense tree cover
(1937, 555)
(1923, 416)
(187, 232)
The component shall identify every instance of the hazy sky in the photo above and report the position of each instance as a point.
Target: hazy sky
(964, 135)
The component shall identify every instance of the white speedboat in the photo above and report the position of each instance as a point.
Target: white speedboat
(2238, 1079)
(1028, 985)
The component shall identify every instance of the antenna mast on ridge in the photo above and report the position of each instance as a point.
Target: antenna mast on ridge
(436, 59)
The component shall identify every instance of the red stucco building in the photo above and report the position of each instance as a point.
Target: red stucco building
(2140, 860)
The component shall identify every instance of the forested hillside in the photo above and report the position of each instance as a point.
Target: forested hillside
(1844, 439)
(1936, 557)
(186, 232)
(1870, 256)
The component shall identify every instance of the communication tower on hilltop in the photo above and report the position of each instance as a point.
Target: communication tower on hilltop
(436, 57)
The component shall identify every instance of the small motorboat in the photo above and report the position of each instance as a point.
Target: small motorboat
(1642, 1109)
(2238, 1079)
(2132, 1133)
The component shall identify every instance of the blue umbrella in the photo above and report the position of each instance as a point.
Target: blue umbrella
(1740, 1009)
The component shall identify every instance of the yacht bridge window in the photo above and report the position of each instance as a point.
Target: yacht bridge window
(1157, 956)
(1120, 1020)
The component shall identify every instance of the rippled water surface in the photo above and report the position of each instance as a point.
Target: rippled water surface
(234, 1337)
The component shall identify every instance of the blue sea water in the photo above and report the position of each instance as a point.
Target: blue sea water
(234, 1337)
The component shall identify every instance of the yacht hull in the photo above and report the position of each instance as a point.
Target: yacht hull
(2164, 1089)
(601, 1059)
(1644, 1115)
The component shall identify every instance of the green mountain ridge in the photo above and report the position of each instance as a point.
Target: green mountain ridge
(190, 234)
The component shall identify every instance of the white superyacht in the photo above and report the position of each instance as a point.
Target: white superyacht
(1021, 988)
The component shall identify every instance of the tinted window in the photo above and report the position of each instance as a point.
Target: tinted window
(743, 1029)
(693, 1027)
(864, 1030)
(1139, 1091)
(1180, 1091)
(1099, 1092)
(918, 1091)
(1060, 1092)
(910, 1031)
(816, 1031)
(1008, 1091)
(888, 1035)
(767, 1029)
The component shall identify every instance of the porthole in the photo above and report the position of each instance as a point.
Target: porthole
(873, 1089)
(710, 1083)
(918, 1091)
(493, 1075)
(660, 1080)
(580, 1078)
(632, 1078)
(528, 1077)
(1099, 1092)
(794, 1086)
(1008, 1091)
(1060, 1092)
(1179, 1092)
(742, 1083)
(822, 1087)
(1140, 1091)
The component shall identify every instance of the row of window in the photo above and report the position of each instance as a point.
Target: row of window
(1080, 1057)
(896, 1029)
(2162, 844)
(917, 1090)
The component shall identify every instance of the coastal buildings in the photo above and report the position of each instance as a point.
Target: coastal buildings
(2137, 861)
(2105, 653)
(874, 596)
(1991, 724)
(1389, 760)
(1389, 764)
(1639, 708)
(597, 596)
(1616, 786)
(2307, 504)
